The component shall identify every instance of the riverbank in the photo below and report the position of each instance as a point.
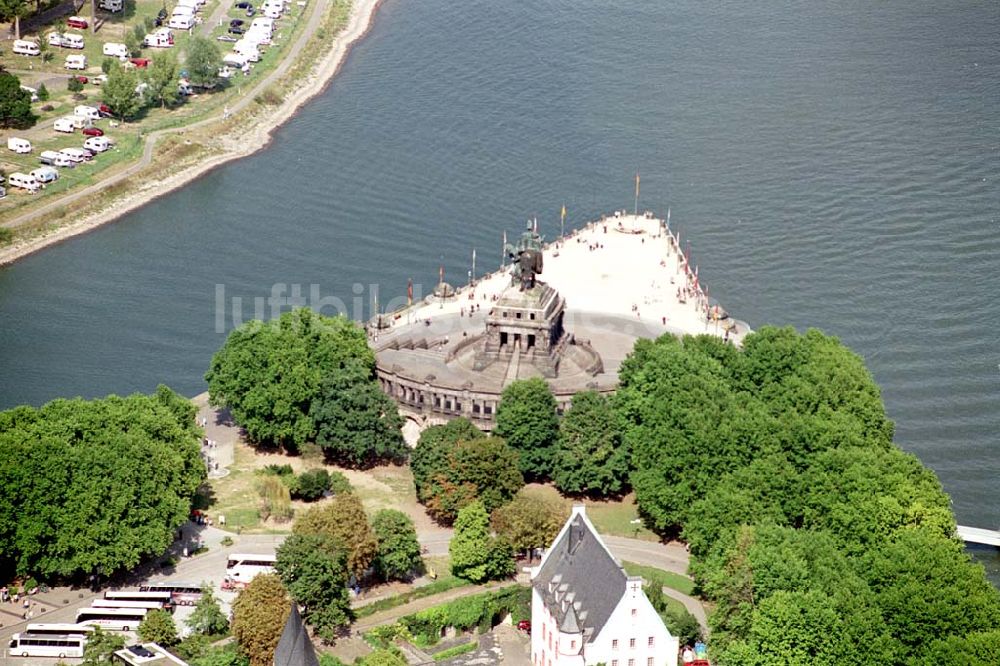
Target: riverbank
(230, 140)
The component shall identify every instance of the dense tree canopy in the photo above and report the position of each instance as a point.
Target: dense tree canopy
(343, 518)
(818, 541)
(475, 555)
(15, 103)
(313, 568)
(208, 618)
(203, 61)
(259, 615)
(435, 445)
(357, 425)
(526, 418)
(398, 555)
(95, 486)
(452, 472)
(590, 458)
(270, 374)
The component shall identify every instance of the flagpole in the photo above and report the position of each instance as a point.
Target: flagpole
(562, 222)
(473, 281)
(503, 250)
(636, 213)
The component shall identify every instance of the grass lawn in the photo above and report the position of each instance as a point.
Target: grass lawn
(610, 517)
(669, 579)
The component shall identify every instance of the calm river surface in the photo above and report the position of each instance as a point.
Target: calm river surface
(834, 166)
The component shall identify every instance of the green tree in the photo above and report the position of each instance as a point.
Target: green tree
(475, 555)
(161, 77)
(158, 627)
(928, 589)
(13, 11)
(119, 92)
(222, 655)
(207, 618)
(313, 567)
(484, 468)
(590, 458)
(135, 460)
(526, 418)
(398, 555)
(43, 93)
(15, 103)
(203, 62)
(531, 520)
(342, 518)
(74, 85)
(133, 45)
(259, 615)
(430, 456)
(270, 374)
(101, 645)
(357, 425)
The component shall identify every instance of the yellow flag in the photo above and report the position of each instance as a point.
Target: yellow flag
(564, 211)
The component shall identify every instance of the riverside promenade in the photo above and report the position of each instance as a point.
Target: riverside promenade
(625, 266)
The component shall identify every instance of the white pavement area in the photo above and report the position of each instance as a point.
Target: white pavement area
(628, 265)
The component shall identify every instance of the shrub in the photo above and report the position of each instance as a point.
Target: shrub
(74, 85)
(311, 485)
(480, 610)
(43, 93)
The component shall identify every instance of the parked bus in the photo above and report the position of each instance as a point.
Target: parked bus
(181, 594)
(46, 645)
(128, 603)
(112, 619)
(61, 629)
(243, 567)
(162, 597)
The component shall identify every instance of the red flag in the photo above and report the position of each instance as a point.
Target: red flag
(409, 291)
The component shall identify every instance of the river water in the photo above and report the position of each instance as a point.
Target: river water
(833, 166)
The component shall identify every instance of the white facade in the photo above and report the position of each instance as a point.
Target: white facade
(585, 610)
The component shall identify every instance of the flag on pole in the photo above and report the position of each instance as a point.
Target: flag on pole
(409, 292)
(441, 274)
(536, 226)
(637, 184)
(562, 215)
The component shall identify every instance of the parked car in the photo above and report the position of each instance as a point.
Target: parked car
(236, 22)
(244, 5)
(525, 626)
(104, 110)
(81, 78)
(251, 11)
(77, 22)
(161, 17)
(236, 30)
(141, 63)
(93, 131)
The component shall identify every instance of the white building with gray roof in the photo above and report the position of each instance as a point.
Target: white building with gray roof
(586, 610)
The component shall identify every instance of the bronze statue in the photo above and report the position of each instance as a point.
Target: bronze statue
(527, 256)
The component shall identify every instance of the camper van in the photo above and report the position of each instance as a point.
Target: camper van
(54, 39)
(181, 22)
(111, 5)
(80, 122)
(97, 144)
(247, 49)
(19, 146)
(193, 4)
(55, 158)
(24, 181)
(115, 50)
(71, 41)
(76, 62)
(182, 10)
(87, 112)
(24, 47)
(45, 174)
(272, 12)
(78, 155)
(161, 38)
(64, 124)
(237, 61)
(31, 91)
